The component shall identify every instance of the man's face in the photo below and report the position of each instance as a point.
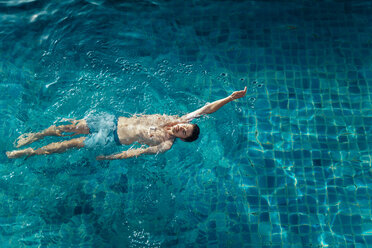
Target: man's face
(182, 130)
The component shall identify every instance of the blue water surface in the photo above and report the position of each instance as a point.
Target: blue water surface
(289, 165)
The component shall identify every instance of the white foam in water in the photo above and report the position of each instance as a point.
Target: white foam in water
(101, 127)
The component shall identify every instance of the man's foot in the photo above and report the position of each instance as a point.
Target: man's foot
(26, 139)
(20, 153)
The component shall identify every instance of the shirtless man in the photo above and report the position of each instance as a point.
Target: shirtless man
(156, 131)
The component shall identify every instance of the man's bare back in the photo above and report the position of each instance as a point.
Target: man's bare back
(158, 132)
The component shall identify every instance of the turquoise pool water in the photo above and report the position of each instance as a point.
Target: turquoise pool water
(287, 166)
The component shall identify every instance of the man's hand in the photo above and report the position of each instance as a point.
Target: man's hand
(238, 94)
(101, 157)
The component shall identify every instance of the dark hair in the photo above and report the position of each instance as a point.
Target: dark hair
(194, 135)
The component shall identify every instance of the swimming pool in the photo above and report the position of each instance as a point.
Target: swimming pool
(287, 166)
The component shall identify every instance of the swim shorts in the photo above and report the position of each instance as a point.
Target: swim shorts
(103, 131)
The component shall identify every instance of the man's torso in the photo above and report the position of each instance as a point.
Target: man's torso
(144, 129)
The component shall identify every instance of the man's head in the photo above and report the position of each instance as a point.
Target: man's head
(186, 131)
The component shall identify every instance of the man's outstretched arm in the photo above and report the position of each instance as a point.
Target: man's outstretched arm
(214, 106)
(165, 146)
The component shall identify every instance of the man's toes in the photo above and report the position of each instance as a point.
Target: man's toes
(12, 154)
(9, 154)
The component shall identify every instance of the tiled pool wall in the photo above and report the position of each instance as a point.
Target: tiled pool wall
(307, 166)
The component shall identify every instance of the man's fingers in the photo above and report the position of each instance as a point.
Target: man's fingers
(243, 91)
(240, 93)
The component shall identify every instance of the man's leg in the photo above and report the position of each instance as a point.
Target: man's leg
(76, 127)
(57, 147)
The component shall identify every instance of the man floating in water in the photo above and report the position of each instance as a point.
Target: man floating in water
(156, 131)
